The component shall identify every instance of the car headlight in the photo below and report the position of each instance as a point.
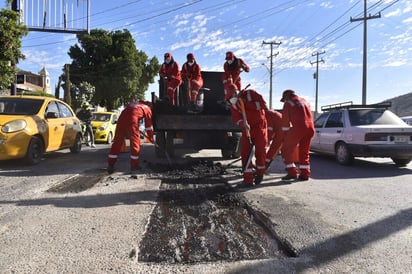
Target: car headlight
(103, 127)
(14, 126)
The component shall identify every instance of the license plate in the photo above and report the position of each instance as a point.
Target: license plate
(401, 139)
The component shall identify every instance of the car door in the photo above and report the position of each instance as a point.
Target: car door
(319, 122)
(56, 127)
(331, 132)
(66, 117)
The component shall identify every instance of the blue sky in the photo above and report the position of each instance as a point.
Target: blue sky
(209, 28)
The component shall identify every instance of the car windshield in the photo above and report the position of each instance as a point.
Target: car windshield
(102, 117)
(19, 106)
(361, 117)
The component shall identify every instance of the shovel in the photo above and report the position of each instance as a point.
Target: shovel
(157, 145)
(252, 146)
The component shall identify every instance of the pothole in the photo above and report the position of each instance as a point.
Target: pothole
(79, 182)
(200, 218)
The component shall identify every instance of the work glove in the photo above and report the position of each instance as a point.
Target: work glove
(246, 68)
(150, 135)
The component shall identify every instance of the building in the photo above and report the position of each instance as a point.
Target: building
(29, 81)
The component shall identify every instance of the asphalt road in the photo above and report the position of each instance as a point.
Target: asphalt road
(355, 219)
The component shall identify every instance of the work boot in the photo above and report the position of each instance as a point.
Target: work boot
(93, 145)
(134, 170)
(258, 179)
(110, 169)
(289, 177)
(303, 178)
(244, 185)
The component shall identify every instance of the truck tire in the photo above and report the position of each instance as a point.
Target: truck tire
(227, 153)
(169, 143)
(161, 144)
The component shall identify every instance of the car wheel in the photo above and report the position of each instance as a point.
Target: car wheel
(342, 154)
(34, 151)
(77, 145)
(109, 138)
(401, 162)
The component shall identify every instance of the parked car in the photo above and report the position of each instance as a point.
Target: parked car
(407, 119)
(33, 125)
(346, 131)
(104, 126)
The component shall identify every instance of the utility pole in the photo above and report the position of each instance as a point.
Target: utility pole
(271, 67)
(365, 47)
(67, 95)
(316, 76)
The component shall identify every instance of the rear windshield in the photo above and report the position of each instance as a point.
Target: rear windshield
(19, 106)
(102, 117)
(361, 117)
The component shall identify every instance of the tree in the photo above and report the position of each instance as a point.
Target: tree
(110, 62)
(11, 32)
(80, 94)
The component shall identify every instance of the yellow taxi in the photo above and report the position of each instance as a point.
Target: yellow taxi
(33, 125)
(104, 126)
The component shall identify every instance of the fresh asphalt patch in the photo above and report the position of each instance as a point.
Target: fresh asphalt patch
(198, 217)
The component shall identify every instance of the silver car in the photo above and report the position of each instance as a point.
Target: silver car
(346, 131)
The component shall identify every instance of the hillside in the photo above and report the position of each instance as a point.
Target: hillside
(401, 105)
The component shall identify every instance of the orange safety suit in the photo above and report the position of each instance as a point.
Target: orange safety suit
(297, 124)
(128, 126)
(171, 74)
(231, 73)
(275, 134)
(255, 107)
(193, 75)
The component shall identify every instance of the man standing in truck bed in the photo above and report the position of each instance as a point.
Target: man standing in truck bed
(170, 73)
(232, 68)
(192, 73)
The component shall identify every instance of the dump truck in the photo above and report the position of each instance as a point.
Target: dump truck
(211, 127)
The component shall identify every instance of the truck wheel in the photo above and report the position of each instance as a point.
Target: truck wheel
(227, 153)
(169, 143)
(236, 154)
(161, 144)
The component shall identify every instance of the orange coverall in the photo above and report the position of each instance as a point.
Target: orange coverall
(231, 73)
(171, 71)
(128, 126)
(297, 124)
(255, 107)
(275, 134)
(193, 75)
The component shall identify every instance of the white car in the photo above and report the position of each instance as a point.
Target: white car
(346, 131)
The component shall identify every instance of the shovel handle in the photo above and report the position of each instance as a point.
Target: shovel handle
(242, 109)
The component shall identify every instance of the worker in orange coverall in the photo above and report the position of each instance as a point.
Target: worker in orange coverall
(232, 68)
(255, 107)
(275, 135)
(298, 127)
(192, 73)
(170, 72)
(128, 126)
